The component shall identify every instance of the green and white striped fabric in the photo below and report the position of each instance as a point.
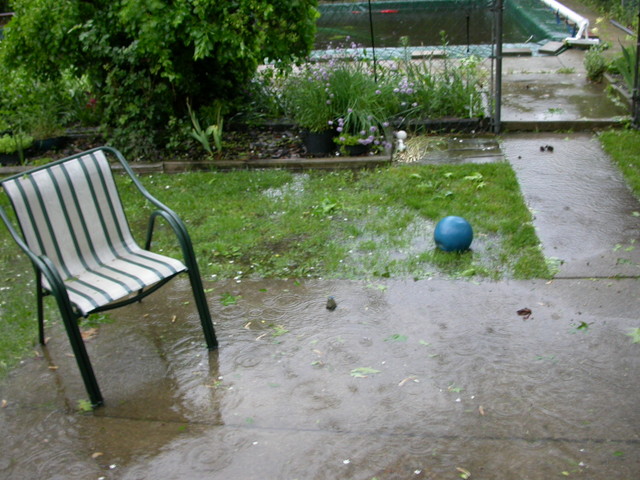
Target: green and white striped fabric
(71, 212)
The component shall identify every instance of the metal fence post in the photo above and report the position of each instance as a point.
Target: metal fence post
(497, 45)
(635, 94)
(373, 45)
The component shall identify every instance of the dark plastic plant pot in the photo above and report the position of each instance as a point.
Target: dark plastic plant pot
(318, 143)
(49, 144)
(356, 150)
(9, 158)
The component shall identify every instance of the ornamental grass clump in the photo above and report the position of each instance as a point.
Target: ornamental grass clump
(307, 97)
(424, 92)
(342, 93)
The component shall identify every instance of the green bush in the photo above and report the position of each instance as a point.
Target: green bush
(14, 143)
(145, 58)
(595, 63)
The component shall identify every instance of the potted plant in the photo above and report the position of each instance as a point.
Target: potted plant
(307, 100)
(45, 127)
(372, 139)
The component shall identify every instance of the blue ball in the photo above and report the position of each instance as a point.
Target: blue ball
(453, 234)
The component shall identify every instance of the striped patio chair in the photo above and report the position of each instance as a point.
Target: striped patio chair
(73, 229)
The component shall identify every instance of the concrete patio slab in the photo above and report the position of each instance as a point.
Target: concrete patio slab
(403, 380)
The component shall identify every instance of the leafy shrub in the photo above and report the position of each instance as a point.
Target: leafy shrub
(145, 59)
(14, 143)
(595, 63)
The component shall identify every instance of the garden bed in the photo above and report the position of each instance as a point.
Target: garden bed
(616, 83)
(277, 145)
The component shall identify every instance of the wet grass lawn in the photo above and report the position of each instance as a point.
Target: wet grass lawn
(351, 225)
(624, 148)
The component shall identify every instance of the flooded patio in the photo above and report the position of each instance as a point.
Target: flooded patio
(427, 379)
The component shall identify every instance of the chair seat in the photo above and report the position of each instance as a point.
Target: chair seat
(118, 278)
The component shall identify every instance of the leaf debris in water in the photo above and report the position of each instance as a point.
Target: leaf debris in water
(363, 372)
(407, 380)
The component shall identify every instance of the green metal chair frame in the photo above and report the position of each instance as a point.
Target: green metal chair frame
(56, 185)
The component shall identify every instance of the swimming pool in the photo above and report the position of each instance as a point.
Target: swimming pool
(465, 22)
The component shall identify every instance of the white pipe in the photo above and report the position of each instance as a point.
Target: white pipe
(581, 22)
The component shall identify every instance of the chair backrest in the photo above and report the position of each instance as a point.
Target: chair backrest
(70, 211)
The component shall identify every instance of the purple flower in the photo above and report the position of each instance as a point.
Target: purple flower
(330, 122)
(385, 124)
(373, 128)
(339, 129)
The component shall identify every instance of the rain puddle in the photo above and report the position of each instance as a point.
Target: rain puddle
(451, 150)
(428, 380)
(553, 97)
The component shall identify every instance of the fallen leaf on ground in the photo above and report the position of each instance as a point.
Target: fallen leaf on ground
(407, 380)
(173, 319)
(53, 367)
(89, 333)
(525, 313)
(464, 473)
(363, 372)
(481, 410)
(4, 403)
(635, 335)
(96, 454)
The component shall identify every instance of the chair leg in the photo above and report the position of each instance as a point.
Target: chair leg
(82, 359)
(40, 301)
(203, 308)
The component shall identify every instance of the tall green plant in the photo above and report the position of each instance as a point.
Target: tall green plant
(214, 130)
(625, 64)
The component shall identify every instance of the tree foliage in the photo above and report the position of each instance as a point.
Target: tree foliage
(145, 58)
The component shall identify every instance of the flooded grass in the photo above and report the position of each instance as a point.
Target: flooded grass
(357, 225)
(350, 225)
